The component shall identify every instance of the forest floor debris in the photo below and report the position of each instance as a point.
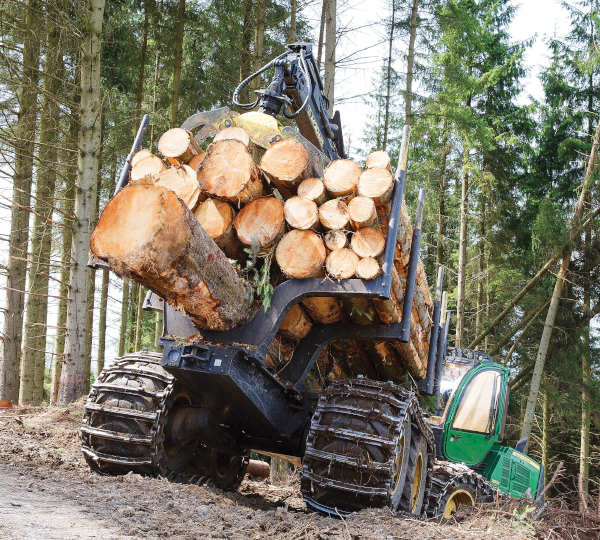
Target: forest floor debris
(47, 491)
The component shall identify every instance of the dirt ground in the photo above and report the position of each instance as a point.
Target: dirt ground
(47, 492)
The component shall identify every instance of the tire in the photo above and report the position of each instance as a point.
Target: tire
(415, 485)
(227, 470)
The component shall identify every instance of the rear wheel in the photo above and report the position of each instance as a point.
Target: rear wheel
(417, 471)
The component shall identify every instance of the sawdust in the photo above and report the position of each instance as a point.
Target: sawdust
(47, 491)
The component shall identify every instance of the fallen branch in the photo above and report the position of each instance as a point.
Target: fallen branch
(549, 485)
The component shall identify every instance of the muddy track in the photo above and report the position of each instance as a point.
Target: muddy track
(47, 491)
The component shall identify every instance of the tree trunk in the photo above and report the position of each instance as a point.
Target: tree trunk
(330, 43)
(586, 381)
(560, 278)
(293, 10)
(173, 256)
(140, 82)
(462, 254)
(102, 322)
(480, 284)
(259, 38)
(19, 219)
(177, 63)
(133, 296)
(410, 63)
(245, 51)
(68, 206)
(321, 33)
(386, 119)
(72, 383)
(139, 319)
(442, 199)
(124, 317)
(34, 357)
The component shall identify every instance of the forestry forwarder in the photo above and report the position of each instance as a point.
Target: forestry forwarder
(198, 410)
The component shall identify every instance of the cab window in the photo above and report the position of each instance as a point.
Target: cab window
(479, 403)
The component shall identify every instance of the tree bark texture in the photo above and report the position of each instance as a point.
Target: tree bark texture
(19, 219)
(481, 282)
(169, 252)
(330, 43)
(102, 322)
(139, 92)
(386, 119)
(72, 382)
(462, 255)
(259, 39)
(410, 61)
(177, 63)
(293, 10)
(124, 316)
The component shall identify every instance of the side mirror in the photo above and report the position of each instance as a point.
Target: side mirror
(520, 446)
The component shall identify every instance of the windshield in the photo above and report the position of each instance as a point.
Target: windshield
(479, 403)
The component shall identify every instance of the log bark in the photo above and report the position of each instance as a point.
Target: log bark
(168, 251)
(228, 172)
(335, 240)
(334, 214)
(296, 324)
(341, 263)
(362, 213)
(377, 183)
(379, 159)
(301, 254)
(368, 242)
(260, 223)
(258, 469)
(301, 213)
(341, 177)
(146, 169)
(368, 269)
(233, 132)
(313, 189)
(178, 146)
(216, 218)
(286, 164)
(183, 182)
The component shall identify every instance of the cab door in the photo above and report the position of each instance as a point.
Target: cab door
(475, 415)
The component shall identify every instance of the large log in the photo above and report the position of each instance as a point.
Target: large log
(228, 172)
(379, 159)
(368, 242)
(216, 218)
(178, 146)
(181, 180)
(233, 132)
(301, 254)
(362, 213)
(138, 156)
(296, 324)
(286, 164)
(341, 176)
(260, 223)
(149, 235)
(368, 269)
(377, 183)
(301, 213)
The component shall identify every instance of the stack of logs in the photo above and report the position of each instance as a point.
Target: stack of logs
(184, 231)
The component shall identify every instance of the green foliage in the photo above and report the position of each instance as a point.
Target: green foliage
(550, 228)
(257, 273)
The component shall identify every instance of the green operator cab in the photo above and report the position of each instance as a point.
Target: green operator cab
(469, 427)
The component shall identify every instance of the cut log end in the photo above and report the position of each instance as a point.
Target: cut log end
(341, 263)
(196, 161)
(301, 213)
(301, 254)
(379, 159)
(286, 164)
(296, 324)
(178, 146)
(183, 181)
(376, 183)
(233, 132)
(341, 177)
(368, 269)
(368, 242)
(334, 214)
(362, 213)
(138, 156)
(261, 222)
(146, 169)
(215, 216)
(335, 240)
(228, 172)
(313, 189)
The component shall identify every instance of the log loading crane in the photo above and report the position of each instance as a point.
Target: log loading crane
(196, 411)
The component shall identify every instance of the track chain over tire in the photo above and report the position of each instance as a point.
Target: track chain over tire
(456, 486)
(124, 424)
(359, 452)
